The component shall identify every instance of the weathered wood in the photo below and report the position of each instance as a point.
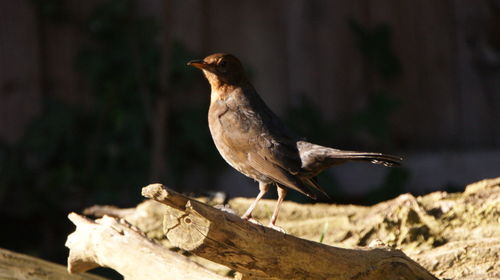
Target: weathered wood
(258, 251)
(114, 243)
(452, 235)
(18, 266)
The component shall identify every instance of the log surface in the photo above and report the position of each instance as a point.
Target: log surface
(260, 252)
(19, 266)
(114, 243)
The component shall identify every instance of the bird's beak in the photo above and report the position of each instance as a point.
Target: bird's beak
(198, 63)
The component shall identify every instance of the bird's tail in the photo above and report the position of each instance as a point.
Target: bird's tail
(377, 158)
(316, 158)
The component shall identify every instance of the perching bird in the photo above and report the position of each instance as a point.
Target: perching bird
(253, 140)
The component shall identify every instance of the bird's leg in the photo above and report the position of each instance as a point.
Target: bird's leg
(263, 188)
(281, 197)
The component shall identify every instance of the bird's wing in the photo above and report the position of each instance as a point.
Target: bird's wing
(246, 133)
(279, 174)
(280, 148)
(285, 156)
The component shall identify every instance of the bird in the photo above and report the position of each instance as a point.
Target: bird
(253, 140)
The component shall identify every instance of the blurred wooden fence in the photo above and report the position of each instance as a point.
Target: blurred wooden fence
(449, 87)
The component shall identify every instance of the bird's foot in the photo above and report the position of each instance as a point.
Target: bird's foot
(252, 220)
(246, 216)
(277, 228)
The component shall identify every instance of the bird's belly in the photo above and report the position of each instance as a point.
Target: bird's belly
(235, 154)
(235, 160)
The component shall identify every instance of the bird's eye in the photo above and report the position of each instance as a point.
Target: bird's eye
(222, 63)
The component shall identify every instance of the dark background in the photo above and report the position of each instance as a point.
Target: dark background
(96, 99)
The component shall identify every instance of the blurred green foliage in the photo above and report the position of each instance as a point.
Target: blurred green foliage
(375, 45)
(76, 155)
(55, 10)
(104, 148)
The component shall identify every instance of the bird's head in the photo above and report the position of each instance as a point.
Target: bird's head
(221, 69)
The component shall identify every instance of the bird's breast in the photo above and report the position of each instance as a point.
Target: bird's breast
(233, 134)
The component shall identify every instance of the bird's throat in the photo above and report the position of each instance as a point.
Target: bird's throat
(220, 92)
(219, 89)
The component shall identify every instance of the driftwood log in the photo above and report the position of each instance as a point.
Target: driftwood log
(114, 243)
(19, 266)
(452, 235)
(260, 252)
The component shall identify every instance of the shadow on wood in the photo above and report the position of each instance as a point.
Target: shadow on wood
(260, 252)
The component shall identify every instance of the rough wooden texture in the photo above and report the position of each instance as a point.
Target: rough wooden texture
(452, 235)
(148, 218)
(18, 266)
(258, 251)
(114, 243)
(468, 229)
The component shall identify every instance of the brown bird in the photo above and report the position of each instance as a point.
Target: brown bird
(253, 140)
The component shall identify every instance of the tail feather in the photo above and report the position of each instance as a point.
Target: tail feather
(376, 158)
(311, 183)
(316, 158)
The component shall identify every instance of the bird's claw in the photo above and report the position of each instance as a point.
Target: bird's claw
(252, 220)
